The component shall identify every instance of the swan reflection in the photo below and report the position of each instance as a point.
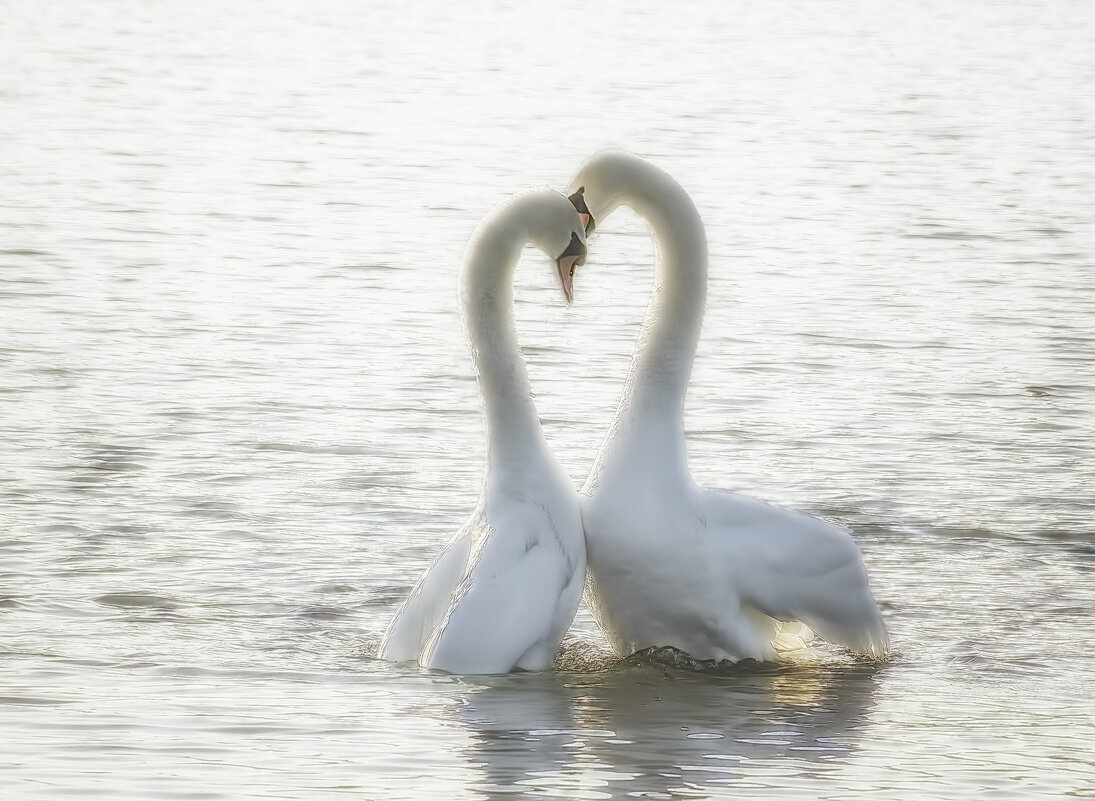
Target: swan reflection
(650, 731)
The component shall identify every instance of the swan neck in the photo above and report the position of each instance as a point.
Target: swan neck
(662, 365)
(646, 443)
(512, 422)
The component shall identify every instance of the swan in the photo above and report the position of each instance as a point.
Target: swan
(718, 575)
(503, 592)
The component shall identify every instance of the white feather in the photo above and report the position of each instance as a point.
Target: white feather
(715, 574)
(503, 592)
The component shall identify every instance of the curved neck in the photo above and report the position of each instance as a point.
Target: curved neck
(662, 365)
(513, 425)
(663, 360)
(646, 443)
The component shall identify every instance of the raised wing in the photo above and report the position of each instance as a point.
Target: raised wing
(791, 566)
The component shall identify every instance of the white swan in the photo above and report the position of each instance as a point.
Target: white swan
(671, 564)
(501, 595)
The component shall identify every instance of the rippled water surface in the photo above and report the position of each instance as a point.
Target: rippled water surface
(239, 416)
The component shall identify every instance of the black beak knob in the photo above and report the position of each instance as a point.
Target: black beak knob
(579, 202)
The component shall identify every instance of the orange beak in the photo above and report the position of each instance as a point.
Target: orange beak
(569, 260)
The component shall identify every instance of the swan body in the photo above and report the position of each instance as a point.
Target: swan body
(503, 592)
(715, 574)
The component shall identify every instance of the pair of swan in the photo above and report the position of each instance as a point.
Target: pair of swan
(714, 574)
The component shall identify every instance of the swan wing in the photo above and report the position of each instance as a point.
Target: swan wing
(794, 567)
(514, 605)
(421, 612)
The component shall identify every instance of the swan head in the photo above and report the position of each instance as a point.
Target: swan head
(557, 229)
(601, 182)
(540, 217)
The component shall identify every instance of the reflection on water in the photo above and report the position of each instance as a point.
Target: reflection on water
(655, 732)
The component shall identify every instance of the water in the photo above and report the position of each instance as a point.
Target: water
(238, 413)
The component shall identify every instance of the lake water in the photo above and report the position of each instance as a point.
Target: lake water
(238, 414)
